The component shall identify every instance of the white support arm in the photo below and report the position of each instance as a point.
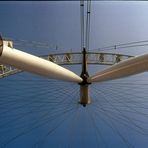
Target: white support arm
(125, 68)
(34, 64)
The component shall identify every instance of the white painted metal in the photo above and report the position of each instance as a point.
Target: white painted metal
(8, 43)
(92, 58)
(124, 68)
(36, 65)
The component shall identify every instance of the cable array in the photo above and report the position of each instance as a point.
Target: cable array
(38, 112)
(88, 24)
(85, 33)
(142, 43)
(27, 43)
(82, 23)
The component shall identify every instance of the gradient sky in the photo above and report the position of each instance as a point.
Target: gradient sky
(59, 22)
(117, 121)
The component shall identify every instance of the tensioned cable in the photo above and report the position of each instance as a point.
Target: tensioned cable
(88, 24)
(66, 99)
(124, 45)
(112, 95)
(105, 112)
(111, 92)
(82, 23)
(118, 107)
(26, 43)
(20, 42)
(85, 44)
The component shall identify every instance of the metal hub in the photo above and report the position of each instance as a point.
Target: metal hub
(84, 90)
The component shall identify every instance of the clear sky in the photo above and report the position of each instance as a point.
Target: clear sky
(36, 112)
(59, 22)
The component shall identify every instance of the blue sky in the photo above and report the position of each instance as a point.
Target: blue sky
(59, 22)
(32, 107)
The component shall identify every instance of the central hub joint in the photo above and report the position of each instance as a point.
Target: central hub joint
(84, 92)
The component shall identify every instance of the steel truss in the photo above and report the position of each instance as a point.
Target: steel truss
(72, 58)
